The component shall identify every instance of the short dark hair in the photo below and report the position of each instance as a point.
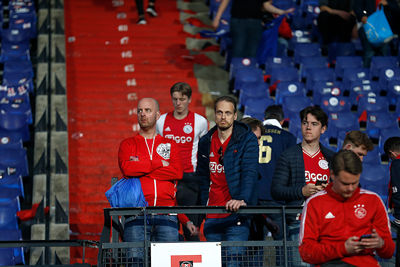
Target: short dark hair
(346, 160)
(392, 144)
(226, 98)
(359, 139)
(182, 88)
(317, 112)
(253, 123)
(274, 112)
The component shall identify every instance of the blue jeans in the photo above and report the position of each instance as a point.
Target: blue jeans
(246, 36)
(158, 228)
(232, 228)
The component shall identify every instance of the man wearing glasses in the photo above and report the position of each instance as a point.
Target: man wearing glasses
(227, 163)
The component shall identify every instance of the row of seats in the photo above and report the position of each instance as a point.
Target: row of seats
(15, 117)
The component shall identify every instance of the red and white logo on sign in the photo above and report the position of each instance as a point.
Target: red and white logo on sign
(184, 260)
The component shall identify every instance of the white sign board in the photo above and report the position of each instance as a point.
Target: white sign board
(186, 254)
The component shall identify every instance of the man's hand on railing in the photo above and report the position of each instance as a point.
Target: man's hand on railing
(234, 205)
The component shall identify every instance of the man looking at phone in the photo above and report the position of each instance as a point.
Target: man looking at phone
(345, 225)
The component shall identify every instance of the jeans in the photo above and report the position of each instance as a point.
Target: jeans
(246, 36)
(232, 228)
(158, 228)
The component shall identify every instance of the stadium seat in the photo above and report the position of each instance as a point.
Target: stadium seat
(307, 64)
(15, 158)
(19, 104)
(247, 75)
(13, 51)
(373, 157)
(240, 62)
(10, 139)
(334, 104)
(377, 121)
(17, 124)
(375, 177)
(372, 104)
(8, 213)
(340, 49)
(288, 74)
(321, 74)
(15, 255)
(303, 50)
(323, 88)
(382, 62)
(11, 182)
(255, 107)
(363, 88)
(293, 105)
(393, 92)
(355, 74)
(252, 90)
(288, 89)
(277, 62)
(342, 122)
(388, 75)
(345, 62)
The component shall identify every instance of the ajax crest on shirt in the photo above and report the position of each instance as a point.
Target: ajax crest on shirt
(164, 150)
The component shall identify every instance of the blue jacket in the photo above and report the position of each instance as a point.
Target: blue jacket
(240, 164)
(289, 175)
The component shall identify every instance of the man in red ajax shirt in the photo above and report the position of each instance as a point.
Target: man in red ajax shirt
(155, 160)
(345, 225)
(185, 128)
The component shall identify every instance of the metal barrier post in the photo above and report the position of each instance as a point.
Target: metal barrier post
(284, 236)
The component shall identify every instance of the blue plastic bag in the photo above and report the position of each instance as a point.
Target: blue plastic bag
(126, 193)
(377, 28)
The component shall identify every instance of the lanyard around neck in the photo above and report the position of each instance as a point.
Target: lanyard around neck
(152, 147)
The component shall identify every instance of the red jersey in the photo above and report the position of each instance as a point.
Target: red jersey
(140, 157)
(328, 220)
(219, 191)
(316, 167)
(186, 133)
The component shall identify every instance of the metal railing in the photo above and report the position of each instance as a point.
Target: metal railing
(113, 252)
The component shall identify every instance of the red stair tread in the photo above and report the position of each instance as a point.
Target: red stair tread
(97, 95)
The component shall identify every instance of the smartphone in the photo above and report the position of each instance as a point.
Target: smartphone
(365, 236)
(319, 182)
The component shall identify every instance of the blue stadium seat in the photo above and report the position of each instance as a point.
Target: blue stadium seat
(354, 74)
(307, 64)
(239, 63)
(373, 104)
(18, 66)
(247, 75)
(340, 49)
(342, 122)
(334, 104)
(345, 62)
(12, 182)
(288, 89)
(295, 125)
(8, 213)
(303, 50)
(13, 51)
(393, 92)
(388, 75)
(293, 105)
(255, 107)
(11, 255)
(15, 158)
(377, 121)
(375, 177)
(363, 88)
(289, 74)
(10, 139)
(19, 104)
(321, 74)
(323, 88)
(17, 124)
(252, 90)
(276, 63)
(382, 62)
(373, 157)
